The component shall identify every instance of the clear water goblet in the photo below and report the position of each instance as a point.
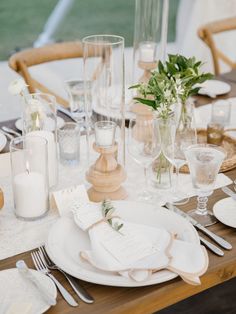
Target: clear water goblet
(204, 161)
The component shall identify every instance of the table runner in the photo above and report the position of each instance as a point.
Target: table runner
(17, 236)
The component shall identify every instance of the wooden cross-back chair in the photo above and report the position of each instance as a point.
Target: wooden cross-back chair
(23, 60)
(207, 32)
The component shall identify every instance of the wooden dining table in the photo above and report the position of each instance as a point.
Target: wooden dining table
(150, 299)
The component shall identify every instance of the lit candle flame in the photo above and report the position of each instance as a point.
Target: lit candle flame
(37, 122)
(27, 167)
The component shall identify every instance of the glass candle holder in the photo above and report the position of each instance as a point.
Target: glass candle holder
(215, 133)
(104, 66)
(69, 143)
(221, 110)
(150, 37)
(40, 119)
(105, 133)
(29, 170)
(39, 113)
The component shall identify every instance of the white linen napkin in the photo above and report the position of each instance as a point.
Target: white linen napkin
(136, 251)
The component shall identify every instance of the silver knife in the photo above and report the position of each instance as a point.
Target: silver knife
(222, 242)
(66, 112)
(229, 192)
(212, 247)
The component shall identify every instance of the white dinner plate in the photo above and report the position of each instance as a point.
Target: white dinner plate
(214, 87)
(225, 211)
(17, 290)
(49, 127)
(3, 141)
(66, 240)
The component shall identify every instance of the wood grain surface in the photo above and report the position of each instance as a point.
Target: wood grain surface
(144, 300)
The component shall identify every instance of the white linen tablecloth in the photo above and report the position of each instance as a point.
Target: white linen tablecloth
(17, 236)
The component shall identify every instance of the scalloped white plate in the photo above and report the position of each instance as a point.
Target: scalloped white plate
(225, 211)
(214, 87)
(49, 125)
(66, 240)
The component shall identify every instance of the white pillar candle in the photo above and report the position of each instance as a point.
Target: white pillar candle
(30, 194)
(147, 51)
(52, 154)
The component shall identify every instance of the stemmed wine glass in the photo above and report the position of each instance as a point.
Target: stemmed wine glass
(174, 143)
(204, 161)
(144, 145)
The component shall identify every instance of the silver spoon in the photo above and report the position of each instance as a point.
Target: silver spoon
(11, 131)
(9, 136)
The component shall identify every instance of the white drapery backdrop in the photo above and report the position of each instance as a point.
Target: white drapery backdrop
(194, 13)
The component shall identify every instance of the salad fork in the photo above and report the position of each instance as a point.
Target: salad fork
(79, 290)
(41, 266)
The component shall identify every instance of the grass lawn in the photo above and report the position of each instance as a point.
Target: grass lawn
(22, 21)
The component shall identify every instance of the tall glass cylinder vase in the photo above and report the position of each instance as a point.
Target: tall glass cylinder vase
(150, 37)
(40, 119)
(104, 68)
(29, 176)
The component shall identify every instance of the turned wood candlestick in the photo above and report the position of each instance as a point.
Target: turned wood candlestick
(147, 67)
(106, 176)
(1, 199)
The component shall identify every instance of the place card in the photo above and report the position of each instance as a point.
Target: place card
(86, 213)
(127, 247)
(66, 198)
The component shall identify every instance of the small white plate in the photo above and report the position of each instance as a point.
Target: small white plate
(66, 240)
(225, 211)
(15, 289)
(49, 127)
(3, 141)
(214, 87)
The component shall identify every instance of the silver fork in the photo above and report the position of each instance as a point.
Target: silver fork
(41, 266)
(79, 290)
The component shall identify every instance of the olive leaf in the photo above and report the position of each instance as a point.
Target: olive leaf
(107, 210)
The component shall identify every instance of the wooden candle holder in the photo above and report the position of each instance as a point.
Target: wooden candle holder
(147, 67)
(106, 176)
(1, 199)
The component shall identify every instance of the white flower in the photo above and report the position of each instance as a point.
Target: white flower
(179, 90)
(178, 82)
(167, 94)
(17, 86)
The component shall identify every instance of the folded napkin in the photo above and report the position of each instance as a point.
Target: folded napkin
(136, 251)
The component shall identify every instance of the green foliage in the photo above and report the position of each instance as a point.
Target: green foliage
(172, 81)
(107, 210)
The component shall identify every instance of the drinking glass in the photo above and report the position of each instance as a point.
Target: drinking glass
(69, 143)
(221, 110)
(144, 145)
(204, 161)
(75, 89)
(104, 67)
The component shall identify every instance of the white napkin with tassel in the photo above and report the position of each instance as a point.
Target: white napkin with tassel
(136, 251)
